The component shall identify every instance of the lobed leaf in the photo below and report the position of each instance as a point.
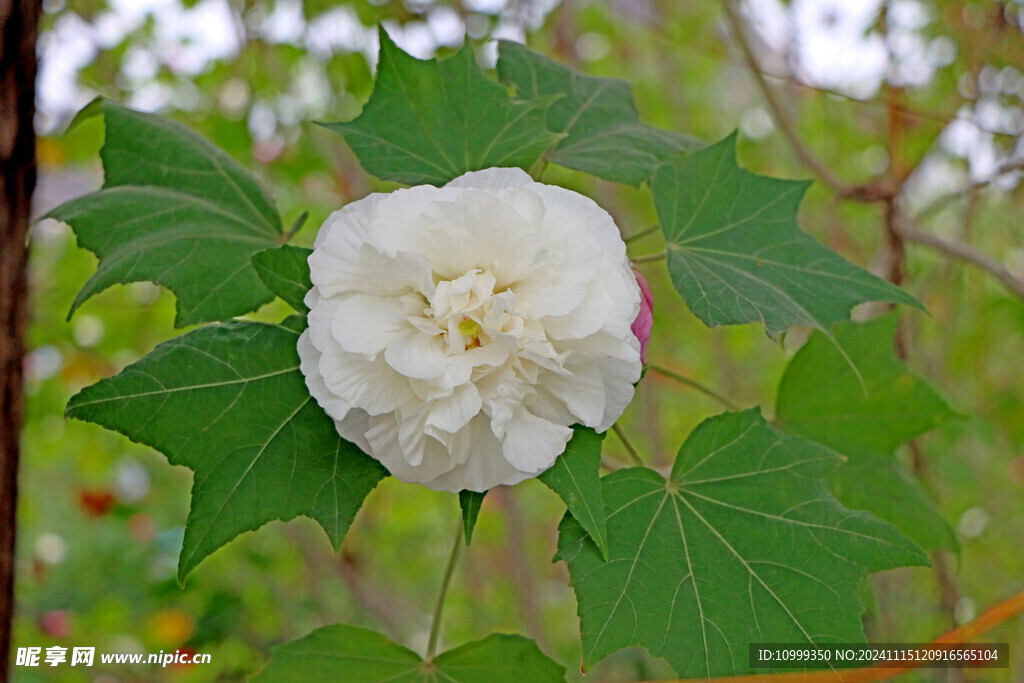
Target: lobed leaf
(742, 543)
(736, 255)
(603, 132)
(431, 121)
(576, 478)
(854, 395)
(358, 655)
(880, 484)
(174, 210)
(851, 392)
(229, 402)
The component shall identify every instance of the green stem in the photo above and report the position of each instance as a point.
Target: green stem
(299, 222)
(662, 370)
(537, 172)
(642, 233)
(648, 258)
(629, 446)
(435, 626)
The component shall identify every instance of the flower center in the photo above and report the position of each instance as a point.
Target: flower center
(468, 312)
(471, 329)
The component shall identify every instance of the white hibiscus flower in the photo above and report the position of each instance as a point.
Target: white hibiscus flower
(456, 333)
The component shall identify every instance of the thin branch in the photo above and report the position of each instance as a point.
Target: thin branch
(1012, 166)
(651, 258)
(629, 446)
(778, 112)
(682, 379)
(894, 240)
(911, 233)
(949, 592)
(711, 52)
(435, 625)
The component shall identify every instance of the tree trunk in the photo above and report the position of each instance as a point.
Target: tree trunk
(19, 27)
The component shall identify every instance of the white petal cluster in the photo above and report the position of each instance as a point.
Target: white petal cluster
(456, 333)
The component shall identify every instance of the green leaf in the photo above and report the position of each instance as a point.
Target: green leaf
(854, 395)
(736, 255)
(878, 483)
(576, 478)
(431, 121)
(174, 210)
(876, 407)
(498, 658)
(229, 402)
(470, 502)
(604, 134)
(743, 543)
(285, 272)
(358, 655)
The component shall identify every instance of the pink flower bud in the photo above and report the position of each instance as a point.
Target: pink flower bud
(645, 318)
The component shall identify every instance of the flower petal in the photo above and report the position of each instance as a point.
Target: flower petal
(418, 355)
(354, 427)
(338, 268)
(619, 378)
(384, 446)
(484, 469)
(368, 384)
(532, 443)
(476, 230)
(587, 318)
(581, 390)
(366, 324)
(309, 360)
(454, 412)
(493, 179)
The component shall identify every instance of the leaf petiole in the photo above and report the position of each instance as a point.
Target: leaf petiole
(299, 222)
(643, 233)
(629, 446)
(682, 379)
(650, 258)
(435, 626)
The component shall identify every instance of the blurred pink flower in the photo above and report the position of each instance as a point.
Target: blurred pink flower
(645, 318)
(56, 623)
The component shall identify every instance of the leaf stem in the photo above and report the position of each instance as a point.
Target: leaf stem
(682, 379)
(435, 626)
(629, 446)
(649, 258)
(299, 222)
(642, 233)
(538, 169)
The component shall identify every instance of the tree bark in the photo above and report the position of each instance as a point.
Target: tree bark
(19, 28)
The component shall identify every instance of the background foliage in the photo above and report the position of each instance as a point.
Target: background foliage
(103, 518)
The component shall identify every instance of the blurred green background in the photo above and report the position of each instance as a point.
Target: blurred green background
(925, 94)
